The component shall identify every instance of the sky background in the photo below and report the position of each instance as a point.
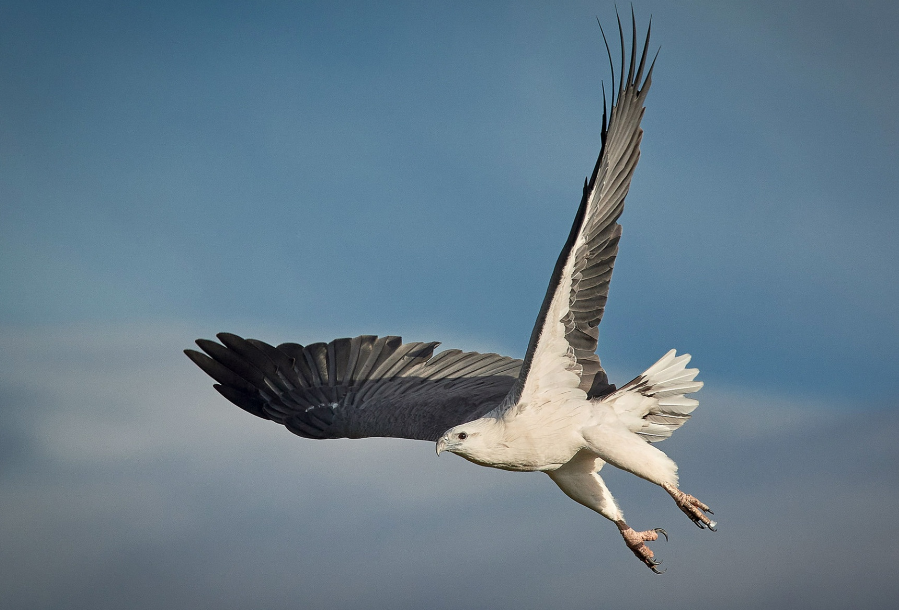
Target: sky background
(300, 171)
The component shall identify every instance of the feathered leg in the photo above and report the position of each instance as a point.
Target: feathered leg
(579, 480)
(613, 442)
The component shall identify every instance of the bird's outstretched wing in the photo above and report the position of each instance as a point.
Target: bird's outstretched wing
(561, 360)
(360, 387)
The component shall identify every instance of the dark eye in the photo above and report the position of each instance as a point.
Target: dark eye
(462, 436)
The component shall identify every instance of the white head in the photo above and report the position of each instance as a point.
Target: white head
(475, 441)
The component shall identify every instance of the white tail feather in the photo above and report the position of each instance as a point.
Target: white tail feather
(654, 404)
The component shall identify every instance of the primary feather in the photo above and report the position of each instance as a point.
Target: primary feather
(360, 387)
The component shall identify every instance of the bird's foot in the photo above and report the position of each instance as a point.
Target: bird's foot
(635, 542)
(692, 507)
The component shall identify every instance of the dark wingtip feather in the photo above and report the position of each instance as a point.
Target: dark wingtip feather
(204, 343)
(604, 113)
(651, 66)
(248, 352)
(197, 358)
(630, 71)
(232, 360)
(623, 54)
(228, 337)
(216, 370)
(643, 56)
(611, 62)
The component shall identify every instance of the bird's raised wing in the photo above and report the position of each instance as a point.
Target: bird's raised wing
(360, 387)
(561, 360)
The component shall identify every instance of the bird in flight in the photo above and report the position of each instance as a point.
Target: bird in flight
(555, 411)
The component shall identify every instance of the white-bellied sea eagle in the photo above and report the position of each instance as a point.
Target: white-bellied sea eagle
(555, 411)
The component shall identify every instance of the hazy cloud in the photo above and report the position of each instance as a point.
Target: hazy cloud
(139, 486)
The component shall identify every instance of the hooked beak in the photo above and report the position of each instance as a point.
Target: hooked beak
(441, 445)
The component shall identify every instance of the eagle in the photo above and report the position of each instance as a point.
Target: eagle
(555, 411)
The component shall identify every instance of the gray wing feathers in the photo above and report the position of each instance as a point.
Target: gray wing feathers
(359, 387)
(592, 243)
(600, 232)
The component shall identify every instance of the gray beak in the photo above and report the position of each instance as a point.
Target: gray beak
(441, 445)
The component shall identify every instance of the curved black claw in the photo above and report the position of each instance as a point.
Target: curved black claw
(711, 525)
(692, 507)
(652, 562)
(659, 530)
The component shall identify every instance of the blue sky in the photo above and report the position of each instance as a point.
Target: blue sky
(413, 170)
(303, 171)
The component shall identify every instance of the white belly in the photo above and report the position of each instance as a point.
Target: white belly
(536, 439)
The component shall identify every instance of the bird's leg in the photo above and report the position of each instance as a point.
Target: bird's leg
(581, 482)
(635, 541)
(692, 507)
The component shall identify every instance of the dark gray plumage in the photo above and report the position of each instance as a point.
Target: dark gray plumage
(360, 387)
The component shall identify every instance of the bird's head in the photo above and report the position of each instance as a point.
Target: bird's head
(470, 440)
